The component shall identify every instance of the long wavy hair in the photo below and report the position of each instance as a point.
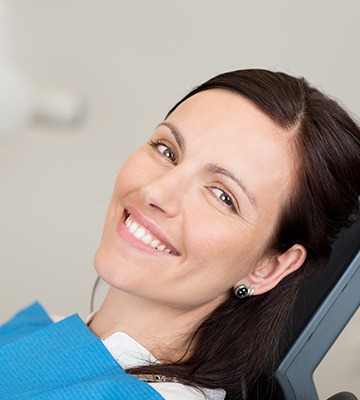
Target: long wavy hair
(240, 339)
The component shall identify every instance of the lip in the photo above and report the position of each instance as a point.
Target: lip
(148, 225)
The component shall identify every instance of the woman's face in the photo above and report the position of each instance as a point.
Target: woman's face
(194, 208)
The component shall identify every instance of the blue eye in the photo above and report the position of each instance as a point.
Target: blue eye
(164, 150)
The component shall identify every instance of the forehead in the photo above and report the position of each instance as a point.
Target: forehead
(220, 106)
(225, 117)
(225, 128)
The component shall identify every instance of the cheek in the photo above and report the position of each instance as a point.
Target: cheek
(126, 182)
(131, 175)
(226, 248)
(218, 246)
(135, 173)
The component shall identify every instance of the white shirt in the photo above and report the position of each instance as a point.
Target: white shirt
(129, 353)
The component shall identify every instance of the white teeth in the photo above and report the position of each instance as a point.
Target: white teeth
(155, 243)
(139, 233)
(133, 227)
(147, 239)
(142, 234)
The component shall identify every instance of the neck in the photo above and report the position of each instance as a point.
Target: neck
(165, 331)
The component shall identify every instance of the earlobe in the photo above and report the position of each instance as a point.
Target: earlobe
(274, 268)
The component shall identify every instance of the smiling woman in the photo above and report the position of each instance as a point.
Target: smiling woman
(213, 226)
(187, 200)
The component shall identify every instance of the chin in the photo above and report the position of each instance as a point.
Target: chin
(113, 271)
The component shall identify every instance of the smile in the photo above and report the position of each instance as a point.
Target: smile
(145, 236)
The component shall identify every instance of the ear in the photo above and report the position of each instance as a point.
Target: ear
(274, 268)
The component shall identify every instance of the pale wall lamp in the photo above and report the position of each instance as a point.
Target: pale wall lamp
(20, 103)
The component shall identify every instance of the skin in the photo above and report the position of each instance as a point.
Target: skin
(219, 226)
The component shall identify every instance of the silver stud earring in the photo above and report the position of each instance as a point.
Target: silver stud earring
(242, 291)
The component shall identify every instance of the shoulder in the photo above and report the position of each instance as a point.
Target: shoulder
(177, 391)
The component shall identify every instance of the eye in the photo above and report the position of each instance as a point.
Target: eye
(164, 150)
(224, 197)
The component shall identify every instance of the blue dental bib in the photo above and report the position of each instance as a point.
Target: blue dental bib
(42, 360)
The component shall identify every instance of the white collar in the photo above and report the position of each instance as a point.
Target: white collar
(127, 351)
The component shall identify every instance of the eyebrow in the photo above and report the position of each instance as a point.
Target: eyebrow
(216, 169)
(177, 135)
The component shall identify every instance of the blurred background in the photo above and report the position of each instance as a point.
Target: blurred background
(92, 79)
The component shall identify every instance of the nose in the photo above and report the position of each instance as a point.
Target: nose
(165, 193)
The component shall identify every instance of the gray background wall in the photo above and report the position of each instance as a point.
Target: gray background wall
(132, 60)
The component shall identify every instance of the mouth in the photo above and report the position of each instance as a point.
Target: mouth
(147, 235)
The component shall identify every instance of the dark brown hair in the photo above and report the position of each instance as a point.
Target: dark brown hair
(241, 338)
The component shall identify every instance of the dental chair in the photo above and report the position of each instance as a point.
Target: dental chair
(325, 305)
